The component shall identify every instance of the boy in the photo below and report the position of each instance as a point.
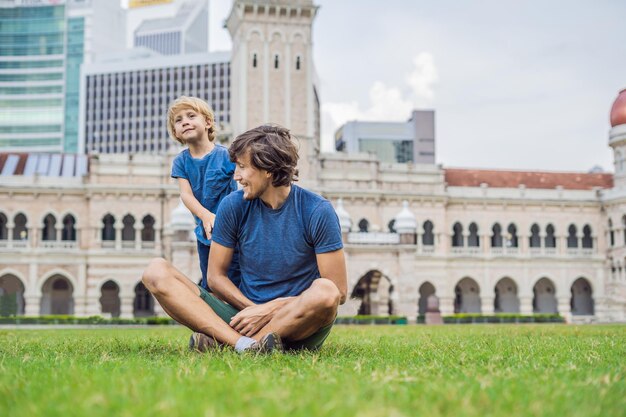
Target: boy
(204, 170)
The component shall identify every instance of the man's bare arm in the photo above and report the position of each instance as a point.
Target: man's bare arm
(332, 265)
(220, 258)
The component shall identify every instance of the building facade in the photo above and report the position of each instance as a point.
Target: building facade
(391, 142)
(126, 99)
(479, 240)
(42, 46)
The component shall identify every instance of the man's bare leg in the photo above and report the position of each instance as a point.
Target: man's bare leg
(315, 308)
(180, 298)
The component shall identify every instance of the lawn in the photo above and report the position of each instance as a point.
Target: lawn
(470, 370)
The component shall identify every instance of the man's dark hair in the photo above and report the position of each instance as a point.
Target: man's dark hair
(272, 149)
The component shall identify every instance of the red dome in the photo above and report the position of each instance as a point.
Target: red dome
(618, 111)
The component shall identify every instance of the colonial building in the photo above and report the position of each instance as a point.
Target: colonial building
(75, 236)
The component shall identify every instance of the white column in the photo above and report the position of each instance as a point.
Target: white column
(446, 305)
(486, 304)
(564, 308)
(526, 305)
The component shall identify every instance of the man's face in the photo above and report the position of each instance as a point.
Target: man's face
(189, 126)
(255, 182)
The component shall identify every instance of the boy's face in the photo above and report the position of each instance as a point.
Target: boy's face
(255, 182)
(190, 126)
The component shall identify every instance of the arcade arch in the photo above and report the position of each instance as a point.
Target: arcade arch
(506, 300)
(11, 295)
(582, 303)
(467, 296)
(110, 298)
(544, 299)
(374, 290)
(57, 296)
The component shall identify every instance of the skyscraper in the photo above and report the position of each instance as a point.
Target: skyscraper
(42, 45)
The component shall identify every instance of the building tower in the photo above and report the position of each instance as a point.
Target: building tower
(273, 74)
(617, 138)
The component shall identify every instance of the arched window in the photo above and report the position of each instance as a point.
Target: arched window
(572, 239)
(108, 227)
(473, 240)
(624, 227)
(511, 236)
(147, 233)
(496, 237)
(535, 239)
(4, 235)
(254, 61)
(69, 231)
(128, 232)
(550, 240)
(363, 225)
(611, 233)
(428, 239)
(392, 226)
(276, 61)
(587, 239)
(20, 232)
(297, 63)
(457, 236)
(49, 231)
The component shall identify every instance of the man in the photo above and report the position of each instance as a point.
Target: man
(293, 273)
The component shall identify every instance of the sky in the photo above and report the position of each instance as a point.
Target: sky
(514, 84)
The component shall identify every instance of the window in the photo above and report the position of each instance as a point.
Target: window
(363, 225)
(587, 242)
(512, 236)
(275, 61)
(572, 239)
(535, 239)
(69, 231)
(457, 236)
(428, 238)
(147, 233)
(298, 63)
(3, 227)
(473, 240)
(550, 240)
(108, 228)
(496, 237)
(128, 232)
(391, 225)
(611, 234)
(254, 61)
(49, 231)
(19, 231)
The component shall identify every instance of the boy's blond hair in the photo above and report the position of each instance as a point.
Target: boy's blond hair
(196, 104)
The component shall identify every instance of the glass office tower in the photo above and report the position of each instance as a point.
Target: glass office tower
(41, 51)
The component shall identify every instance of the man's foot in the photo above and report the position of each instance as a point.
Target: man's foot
(199, 342)
(269, 343)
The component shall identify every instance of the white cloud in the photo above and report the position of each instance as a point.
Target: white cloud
(423, 78)
(386, 103)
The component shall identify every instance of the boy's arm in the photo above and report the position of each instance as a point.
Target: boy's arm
(186, 195)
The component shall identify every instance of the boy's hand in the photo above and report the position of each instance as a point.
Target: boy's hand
(207, 222)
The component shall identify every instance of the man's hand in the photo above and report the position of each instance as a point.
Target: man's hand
(252, 319)
(207, 223)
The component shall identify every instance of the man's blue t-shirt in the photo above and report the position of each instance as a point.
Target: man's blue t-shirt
(277, 248)
(210, 177)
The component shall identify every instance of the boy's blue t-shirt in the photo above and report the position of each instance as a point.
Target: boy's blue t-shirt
(210, 177)
(277, 248)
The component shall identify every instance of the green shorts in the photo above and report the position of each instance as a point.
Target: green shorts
(226, 313)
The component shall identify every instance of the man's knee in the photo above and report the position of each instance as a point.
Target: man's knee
(155, 274)
(326, 294)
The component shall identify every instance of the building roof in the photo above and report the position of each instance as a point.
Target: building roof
(43, 164)
(530, 179)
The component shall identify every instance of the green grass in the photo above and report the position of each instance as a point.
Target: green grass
(479, 370)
